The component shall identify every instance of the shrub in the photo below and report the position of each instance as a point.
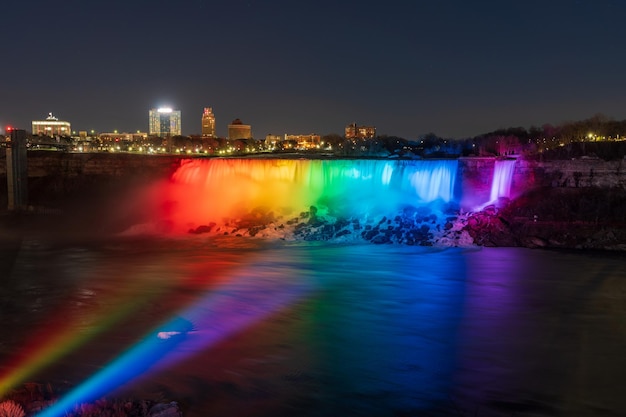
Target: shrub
(11, 409)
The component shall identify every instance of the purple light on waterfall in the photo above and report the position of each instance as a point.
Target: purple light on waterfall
(502, 179)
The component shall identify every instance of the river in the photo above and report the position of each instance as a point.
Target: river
(243, 326)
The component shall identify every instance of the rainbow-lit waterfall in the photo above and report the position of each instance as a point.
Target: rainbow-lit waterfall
(228, 195)
(210, 190)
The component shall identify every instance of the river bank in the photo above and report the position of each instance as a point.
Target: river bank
(577, 204)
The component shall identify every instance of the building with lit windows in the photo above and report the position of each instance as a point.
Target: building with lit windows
(111, 137)
(311, 141)
(51, 127)
(237, 130)
(286, 141)
(360, 132)
(208, 123)
(272, 140)
(165, 122)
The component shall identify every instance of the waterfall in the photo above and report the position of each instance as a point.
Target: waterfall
(502, 179)
(212, 189)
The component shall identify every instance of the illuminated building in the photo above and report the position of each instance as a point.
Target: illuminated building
(165, 122)
(360, 132)
(287, 141)
(272, 140)
(110, 137)
(208, 123)
(305, 141)
(51, 127)
(237, 130)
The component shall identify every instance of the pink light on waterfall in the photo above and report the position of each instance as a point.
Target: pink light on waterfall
(502, 179)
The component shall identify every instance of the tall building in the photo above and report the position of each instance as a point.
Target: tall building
(51, 127)
(165, 122)
(360, 132)
(237, 130)
(208, 123)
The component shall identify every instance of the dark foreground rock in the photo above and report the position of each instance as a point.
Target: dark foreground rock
(414, 226)
(32, 398)
(583, 218)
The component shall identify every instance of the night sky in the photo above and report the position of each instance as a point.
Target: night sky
(457, 68)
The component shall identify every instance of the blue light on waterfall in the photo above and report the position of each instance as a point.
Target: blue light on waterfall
(434, 180)
(387, 173)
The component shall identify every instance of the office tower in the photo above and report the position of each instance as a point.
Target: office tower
(237, 130)
(51, 127)
(208, 123)
(165, 122)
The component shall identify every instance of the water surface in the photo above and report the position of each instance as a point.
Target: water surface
(247, 327)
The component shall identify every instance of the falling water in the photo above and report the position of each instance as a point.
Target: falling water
(502, 179)
(213, 189)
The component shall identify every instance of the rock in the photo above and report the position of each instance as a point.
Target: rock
(202, 229)
(341, 223)
(316, 221)
(369, 234)
(490, 210)
(380, 239)
(534, 242)
(165, 410)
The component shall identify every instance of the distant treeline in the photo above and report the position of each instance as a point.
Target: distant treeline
(597, 136)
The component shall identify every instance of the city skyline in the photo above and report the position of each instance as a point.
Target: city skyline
(165, 121)
(454, 68)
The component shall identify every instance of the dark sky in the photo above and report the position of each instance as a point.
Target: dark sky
(453, 67)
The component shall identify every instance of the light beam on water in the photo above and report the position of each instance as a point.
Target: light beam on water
(247, 297)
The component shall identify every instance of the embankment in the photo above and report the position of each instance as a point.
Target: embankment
(577, 203)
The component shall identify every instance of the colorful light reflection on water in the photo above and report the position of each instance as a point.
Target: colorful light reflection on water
(228, 309)
(311, 278)
(283, 329)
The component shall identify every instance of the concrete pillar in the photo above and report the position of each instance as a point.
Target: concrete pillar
(17, 171)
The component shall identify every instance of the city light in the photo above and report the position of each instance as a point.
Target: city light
(165, 110)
